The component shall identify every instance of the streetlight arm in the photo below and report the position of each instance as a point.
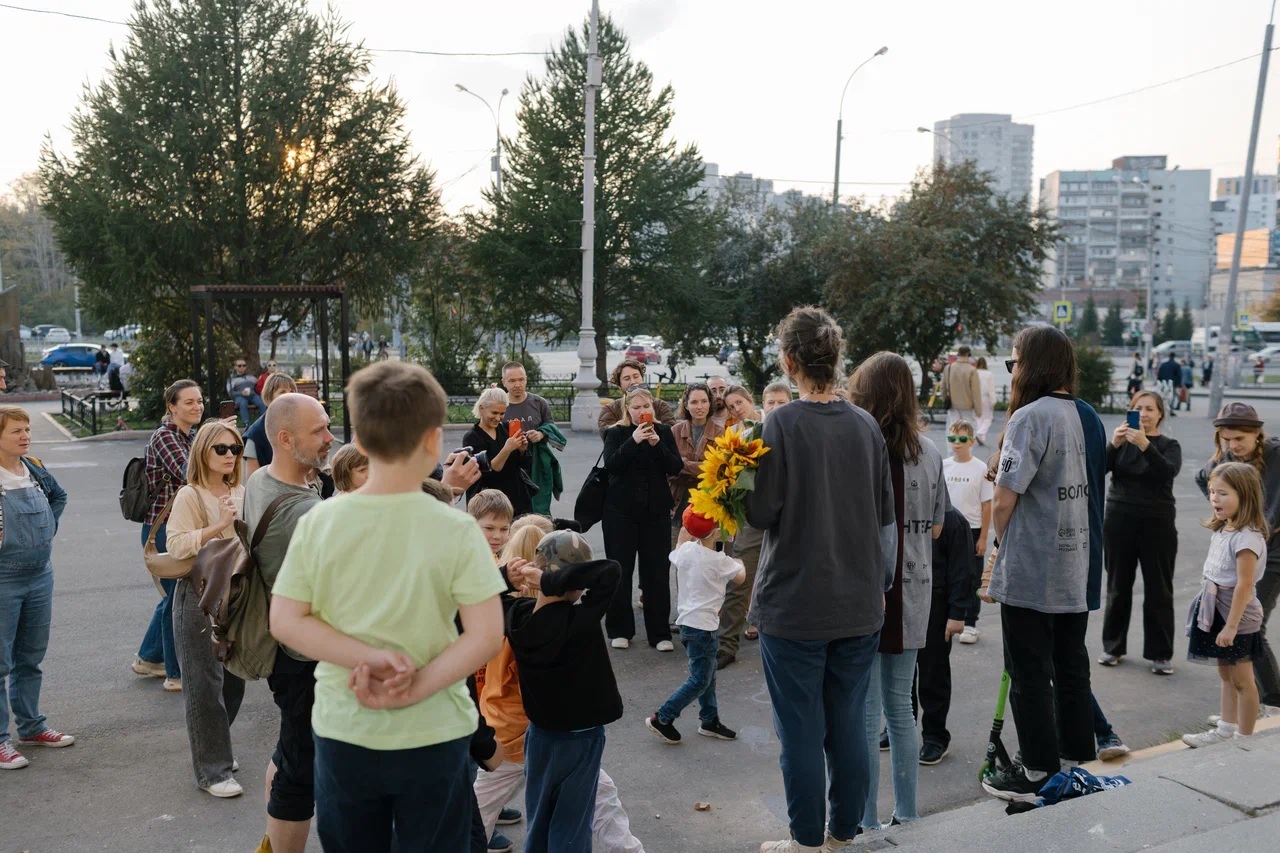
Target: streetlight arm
(845, 90)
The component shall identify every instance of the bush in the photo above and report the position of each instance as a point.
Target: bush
(160, 358)
(1095, 373)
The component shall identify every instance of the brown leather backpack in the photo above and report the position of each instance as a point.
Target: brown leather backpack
(235, 599)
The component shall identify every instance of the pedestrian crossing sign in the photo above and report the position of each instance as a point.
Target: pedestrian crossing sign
(1062, 312)
(1242, 320)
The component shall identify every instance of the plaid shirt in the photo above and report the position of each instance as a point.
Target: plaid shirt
(166, 465)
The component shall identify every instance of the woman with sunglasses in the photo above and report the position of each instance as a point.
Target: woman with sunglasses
(1140, 529)
(205, 509)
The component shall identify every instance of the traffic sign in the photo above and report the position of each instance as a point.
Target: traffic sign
(1062, 312)
(1242, 320)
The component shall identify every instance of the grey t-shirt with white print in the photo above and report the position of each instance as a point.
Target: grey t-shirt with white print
(1043, 562)
(925, 503)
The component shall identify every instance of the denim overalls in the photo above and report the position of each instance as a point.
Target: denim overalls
(26, 600)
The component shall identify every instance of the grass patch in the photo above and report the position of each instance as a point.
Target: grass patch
(72, 426)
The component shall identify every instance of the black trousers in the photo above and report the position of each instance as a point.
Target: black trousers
(647, 537)
(979, 562)
(933, 670)
(1131, 541)
(1265, 671)
(1046, 658)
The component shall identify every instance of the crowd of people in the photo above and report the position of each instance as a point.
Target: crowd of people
(466, 660)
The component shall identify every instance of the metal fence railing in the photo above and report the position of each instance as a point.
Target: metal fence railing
(87, 408)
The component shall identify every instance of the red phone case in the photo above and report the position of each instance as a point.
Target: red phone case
(646, 418)
(513, 429)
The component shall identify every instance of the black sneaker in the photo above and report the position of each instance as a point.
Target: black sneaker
(510, 817)
(884, 740)
(666, 731)
(1012, 784)
(715, 728)
(500, 844)
(931, 753)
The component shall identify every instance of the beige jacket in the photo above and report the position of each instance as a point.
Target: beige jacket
(194, 509)
(960, 382)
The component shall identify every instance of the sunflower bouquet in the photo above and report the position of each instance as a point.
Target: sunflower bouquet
(728, 473)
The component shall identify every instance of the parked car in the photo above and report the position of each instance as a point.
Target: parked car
(41, 330)
(70, 355)
(734, 361)
(644, 354)
(616, 342)
(24, 333)
(1266, 354)
(725, 353)
(57, 335)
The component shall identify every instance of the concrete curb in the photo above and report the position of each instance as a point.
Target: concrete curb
(48, 416)
(1100, 767)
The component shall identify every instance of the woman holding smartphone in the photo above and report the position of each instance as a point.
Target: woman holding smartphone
(507, 448)
(640, 455)
(1139, 530)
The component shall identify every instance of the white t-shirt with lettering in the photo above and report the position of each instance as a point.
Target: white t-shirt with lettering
(968, 486)
(702, 575)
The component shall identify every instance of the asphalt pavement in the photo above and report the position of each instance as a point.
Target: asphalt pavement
(127, 783)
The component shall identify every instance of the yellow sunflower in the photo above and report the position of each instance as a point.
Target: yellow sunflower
(706, 504)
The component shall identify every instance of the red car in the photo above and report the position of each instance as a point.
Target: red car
(643, 354)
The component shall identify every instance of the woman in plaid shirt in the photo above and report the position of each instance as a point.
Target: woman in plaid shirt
(166, 473)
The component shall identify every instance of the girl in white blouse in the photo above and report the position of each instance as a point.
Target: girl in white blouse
(204, 509)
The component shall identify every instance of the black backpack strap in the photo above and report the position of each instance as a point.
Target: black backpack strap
(265, 521)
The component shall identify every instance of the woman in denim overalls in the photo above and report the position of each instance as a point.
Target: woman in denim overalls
(31, 502)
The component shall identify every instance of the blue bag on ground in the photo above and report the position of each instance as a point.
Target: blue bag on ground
(1077, 782)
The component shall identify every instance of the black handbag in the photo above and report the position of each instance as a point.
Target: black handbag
(588, 509)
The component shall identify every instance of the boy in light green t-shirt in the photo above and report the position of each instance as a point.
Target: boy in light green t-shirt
(369, 588)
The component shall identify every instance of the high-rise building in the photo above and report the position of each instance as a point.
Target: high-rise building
(994, 143)
(1262, 204)
(1134, 224)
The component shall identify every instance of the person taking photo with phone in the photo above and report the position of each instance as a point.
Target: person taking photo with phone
(505, 446)
(1139, 530)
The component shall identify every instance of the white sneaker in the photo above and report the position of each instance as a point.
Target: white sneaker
(620, 643)
(665, 646)
(789, 846)
(235, 766)
(1209, 738)
(835, 845)
(147, 668)
(173, 685)
(223, 790)
(969, 635)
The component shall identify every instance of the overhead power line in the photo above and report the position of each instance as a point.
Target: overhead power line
(96, 19)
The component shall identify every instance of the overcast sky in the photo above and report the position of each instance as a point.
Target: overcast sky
(758, 82)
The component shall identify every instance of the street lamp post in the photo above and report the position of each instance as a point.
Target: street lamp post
(835, 189)
(586, 404)
(497, 125)
(940, 135)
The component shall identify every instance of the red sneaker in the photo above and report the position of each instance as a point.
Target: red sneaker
(10, 758)
(48, 737)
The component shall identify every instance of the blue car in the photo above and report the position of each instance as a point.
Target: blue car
(70, 355)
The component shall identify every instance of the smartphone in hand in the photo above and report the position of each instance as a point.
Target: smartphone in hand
(646, 418)
(226, 409)
(1131, 418)
(514, 428)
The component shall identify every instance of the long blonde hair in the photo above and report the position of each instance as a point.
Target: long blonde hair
(522, 545)
(198, 473)
(1242, 479)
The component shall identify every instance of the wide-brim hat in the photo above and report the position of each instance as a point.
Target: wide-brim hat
(1237, 414)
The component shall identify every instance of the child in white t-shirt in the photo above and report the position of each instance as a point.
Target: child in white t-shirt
(702, 576)
(971, 493)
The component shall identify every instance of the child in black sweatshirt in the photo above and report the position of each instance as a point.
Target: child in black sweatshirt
(953, 587)
(568, 688)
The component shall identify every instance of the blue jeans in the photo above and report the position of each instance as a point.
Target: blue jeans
(561, 771)
(365, 797)
(26, 608)
(242, 403)
(819, 693)
(702, 648)
(890, 694)
(157, 644)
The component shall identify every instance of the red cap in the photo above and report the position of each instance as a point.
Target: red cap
(699, 526)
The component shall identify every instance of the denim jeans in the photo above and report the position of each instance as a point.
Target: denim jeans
(421, 795)
(890, 693)
(157, 644)
(242, 403)
(819, 693)
(701, 647)
(561, 773)
(210, 694)
(26, 608)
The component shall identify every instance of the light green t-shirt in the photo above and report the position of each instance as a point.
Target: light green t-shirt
(390, 571)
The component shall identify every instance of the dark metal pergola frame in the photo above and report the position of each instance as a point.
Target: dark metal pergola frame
(204, 295)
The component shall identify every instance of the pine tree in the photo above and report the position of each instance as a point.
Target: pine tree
(1169, 324)
(1186, 323)
(1088, 326)
(1113, 326)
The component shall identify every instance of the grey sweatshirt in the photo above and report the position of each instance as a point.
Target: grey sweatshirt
(824, 498)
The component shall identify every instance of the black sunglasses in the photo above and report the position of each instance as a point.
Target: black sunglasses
(1009, 363)
(224, 449)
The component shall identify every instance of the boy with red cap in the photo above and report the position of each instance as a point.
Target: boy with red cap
(702, 574)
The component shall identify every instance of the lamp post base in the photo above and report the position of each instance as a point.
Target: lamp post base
(586, 405)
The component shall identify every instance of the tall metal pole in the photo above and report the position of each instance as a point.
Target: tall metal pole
(1229, 308)
(835, 187)
(586, 405)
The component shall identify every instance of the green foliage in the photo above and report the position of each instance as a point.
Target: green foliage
(159, 358)
(1087, 328)
(652, 229)
(1168, 325)
(1186, 323)
(1113, 327)
(1271, 314)
(448, 311)
(952, 253)
(31, 260)
(235, 142)
(1095, 373)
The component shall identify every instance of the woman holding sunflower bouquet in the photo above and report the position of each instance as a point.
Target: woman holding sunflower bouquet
(639, 455)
